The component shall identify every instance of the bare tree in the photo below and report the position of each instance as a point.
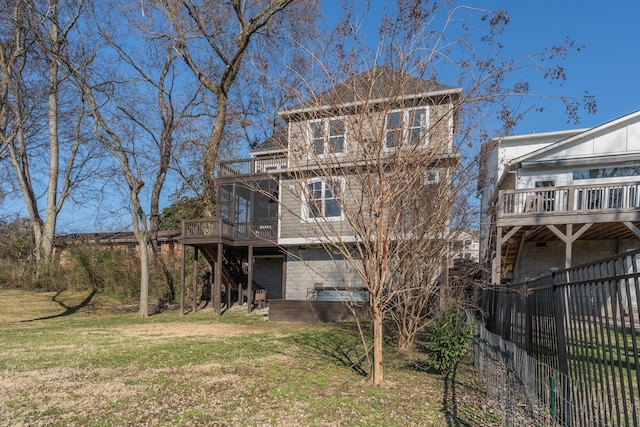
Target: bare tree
(214, 39)
(36, 39)
(381, 160)
(142, 112)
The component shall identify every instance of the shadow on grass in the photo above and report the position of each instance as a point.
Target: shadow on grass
(68, 309)
(450, 399)
(340, 345)
(464, 402)
(460, 392)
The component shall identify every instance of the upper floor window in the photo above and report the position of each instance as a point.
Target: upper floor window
(406, 127)
(328, 136)
(610, 172)
(323, 199)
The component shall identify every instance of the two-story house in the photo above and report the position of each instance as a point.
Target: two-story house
(559, 199)
(278, 208)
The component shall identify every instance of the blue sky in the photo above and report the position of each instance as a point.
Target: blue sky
(608, 66)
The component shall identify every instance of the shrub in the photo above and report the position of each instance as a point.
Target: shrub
(449, 336)
(17, 266)
(116, 273)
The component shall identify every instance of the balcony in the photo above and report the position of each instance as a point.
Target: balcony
(217, 230)
(245, 167)
(571, 204)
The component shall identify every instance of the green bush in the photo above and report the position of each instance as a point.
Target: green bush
(449, 336)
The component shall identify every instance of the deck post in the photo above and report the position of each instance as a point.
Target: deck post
(240, 296)
(568, 252)
(182, 278)
(195, 278)
(217, 294)
(496, 270)
(250, 280)
(211, 280)
(228, 286)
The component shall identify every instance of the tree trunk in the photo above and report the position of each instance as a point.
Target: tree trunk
(211, 156)
(141, 231)
(377, 375)
(144, 275)
(404, 340)
(49, 228)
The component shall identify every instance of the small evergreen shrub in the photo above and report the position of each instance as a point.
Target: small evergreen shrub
(449, 336)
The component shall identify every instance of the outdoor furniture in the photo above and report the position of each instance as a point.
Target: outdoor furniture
(260, 300)
(312, 292)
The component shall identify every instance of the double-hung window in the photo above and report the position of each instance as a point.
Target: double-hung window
(323, 198)
(406, 127)
(328, 136)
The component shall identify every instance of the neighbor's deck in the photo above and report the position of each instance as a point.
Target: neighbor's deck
(576, 204)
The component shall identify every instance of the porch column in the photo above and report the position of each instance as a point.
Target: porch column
(496, 267)
(182, 277)
(568, 247)
(195, 278)
(217, 295)
(250, 280)
(568, 240)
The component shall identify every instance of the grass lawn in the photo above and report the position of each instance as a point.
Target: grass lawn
(67, 359)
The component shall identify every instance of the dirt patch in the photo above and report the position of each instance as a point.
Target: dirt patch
(181, 329)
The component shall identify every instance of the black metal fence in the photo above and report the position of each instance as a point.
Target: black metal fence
(572, 339)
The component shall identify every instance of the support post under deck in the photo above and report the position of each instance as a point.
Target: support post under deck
(217, 295)
(195, 278)
(182, 278)
(250, 280)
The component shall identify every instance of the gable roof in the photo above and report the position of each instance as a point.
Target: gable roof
(375, 85)
(276, 143)
(543, 156)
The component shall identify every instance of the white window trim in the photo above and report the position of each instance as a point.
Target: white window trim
(435, 173)
(305, 214)
(406, 114)
(327, 152)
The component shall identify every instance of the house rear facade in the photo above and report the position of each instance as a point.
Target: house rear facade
(279, 207)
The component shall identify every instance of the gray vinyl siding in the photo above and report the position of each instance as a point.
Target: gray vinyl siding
(293, 224)
(309, 265)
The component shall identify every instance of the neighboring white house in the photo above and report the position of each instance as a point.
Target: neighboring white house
(466, 246)
(553, 200)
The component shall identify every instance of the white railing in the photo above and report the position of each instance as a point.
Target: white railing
(570, 199)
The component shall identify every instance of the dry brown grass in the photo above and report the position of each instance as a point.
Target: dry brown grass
(96, 368)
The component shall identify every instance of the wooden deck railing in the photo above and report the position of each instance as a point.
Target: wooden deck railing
(217, 228)
(570, 199)
(250, 166)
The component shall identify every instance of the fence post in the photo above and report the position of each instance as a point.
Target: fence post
(528, 320)
(564, 410)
